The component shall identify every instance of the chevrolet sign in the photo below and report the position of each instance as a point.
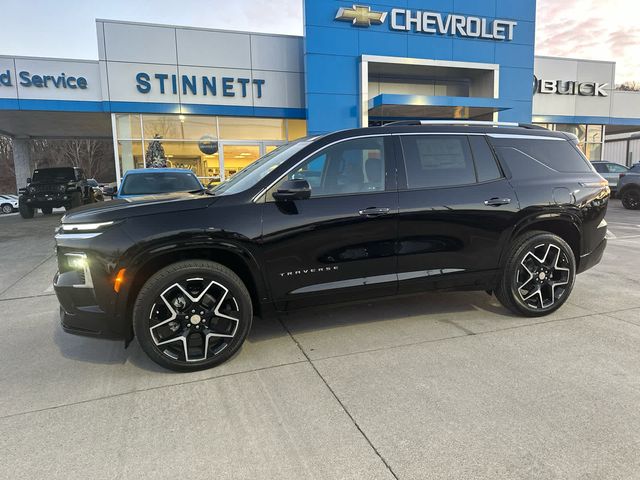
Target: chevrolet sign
(430, 22)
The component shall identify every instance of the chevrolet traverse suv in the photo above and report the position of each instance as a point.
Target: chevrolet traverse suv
(515, 210)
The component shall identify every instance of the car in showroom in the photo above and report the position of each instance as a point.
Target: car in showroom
(55, 187)
(514, 210)
(157, 181)
(611, 172)
(8, 203)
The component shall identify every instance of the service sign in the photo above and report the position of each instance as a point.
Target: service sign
(435, 23)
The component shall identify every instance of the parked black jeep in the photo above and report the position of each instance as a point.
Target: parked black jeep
(513, 210)
(55, 187)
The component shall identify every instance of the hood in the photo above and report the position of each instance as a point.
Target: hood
(122, 208)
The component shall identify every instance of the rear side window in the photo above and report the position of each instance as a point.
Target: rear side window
(558, 155)
(615, 168)
(437, 161)
(486, 166)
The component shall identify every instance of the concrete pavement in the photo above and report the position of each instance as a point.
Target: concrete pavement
(430, 386)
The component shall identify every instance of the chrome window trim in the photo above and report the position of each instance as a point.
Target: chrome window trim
(524, 137)
(263, 191)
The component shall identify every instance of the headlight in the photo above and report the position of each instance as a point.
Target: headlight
(77, 261)
(32, 189)
(62, 188)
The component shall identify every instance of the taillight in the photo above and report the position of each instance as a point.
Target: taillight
(622, 175)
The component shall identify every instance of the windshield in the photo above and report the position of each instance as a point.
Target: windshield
(54, 175)
(159, 182)
(256, 171)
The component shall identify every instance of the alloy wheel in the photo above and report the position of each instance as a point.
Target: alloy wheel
(631, 200)
(194, 319)
(6, 208)
(543, 276)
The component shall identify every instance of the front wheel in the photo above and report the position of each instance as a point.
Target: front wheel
(192, 315)
(631, 199)
(6, 208)
(25, 210)
(538, 276)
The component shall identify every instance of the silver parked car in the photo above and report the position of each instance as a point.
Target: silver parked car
(8, 203)
(611, 172)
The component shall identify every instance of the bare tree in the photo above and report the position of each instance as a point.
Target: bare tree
(630, 86)
(7, 170)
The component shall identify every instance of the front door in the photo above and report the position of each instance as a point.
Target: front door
(340, 243)
(456, 209)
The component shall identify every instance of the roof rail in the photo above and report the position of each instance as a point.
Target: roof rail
(467, 122)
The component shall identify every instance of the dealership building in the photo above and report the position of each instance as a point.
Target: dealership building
(217, 100)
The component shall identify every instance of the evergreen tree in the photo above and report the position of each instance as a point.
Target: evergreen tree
(156, 158)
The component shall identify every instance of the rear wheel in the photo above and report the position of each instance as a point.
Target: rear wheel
(538, 276)
(47, 210)
(76, 201)
(192, 315)
(6, 208)
(631, 199)
(25, 210)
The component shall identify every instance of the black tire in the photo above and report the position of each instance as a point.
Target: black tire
(6, 208)
(213, 327)
(25, 210)
(528, 286)
(76, 201)
(46, 210)
(631, 199)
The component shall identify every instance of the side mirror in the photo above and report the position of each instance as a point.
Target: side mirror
(297, 189)
(28, 179)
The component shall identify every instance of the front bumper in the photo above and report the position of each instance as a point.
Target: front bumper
(592, 258)
(80, 313)
(54, 200)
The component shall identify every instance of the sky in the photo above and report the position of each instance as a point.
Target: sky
(590, 29)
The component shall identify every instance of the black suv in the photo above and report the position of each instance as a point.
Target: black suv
(357, 214)
(51, 188)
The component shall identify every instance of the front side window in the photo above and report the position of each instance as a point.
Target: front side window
(437, 161)
(348, 167)
(601, 167)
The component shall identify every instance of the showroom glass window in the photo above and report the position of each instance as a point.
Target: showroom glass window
(213, 147)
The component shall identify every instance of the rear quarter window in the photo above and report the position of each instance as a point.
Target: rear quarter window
(557, 155)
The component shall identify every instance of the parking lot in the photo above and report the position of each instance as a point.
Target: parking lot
(446, 385)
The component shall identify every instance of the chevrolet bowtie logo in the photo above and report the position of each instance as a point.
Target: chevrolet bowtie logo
(361, 16)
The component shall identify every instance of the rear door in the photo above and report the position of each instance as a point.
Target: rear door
(340, 243)
(456, 211)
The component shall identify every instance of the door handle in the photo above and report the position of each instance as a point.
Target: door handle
(496, 202)
(374, 212)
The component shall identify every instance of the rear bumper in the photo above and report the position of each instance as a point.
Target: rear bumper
(592, 258)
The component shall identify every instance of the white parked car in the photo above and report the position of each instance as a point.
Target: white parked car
(8, 203)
